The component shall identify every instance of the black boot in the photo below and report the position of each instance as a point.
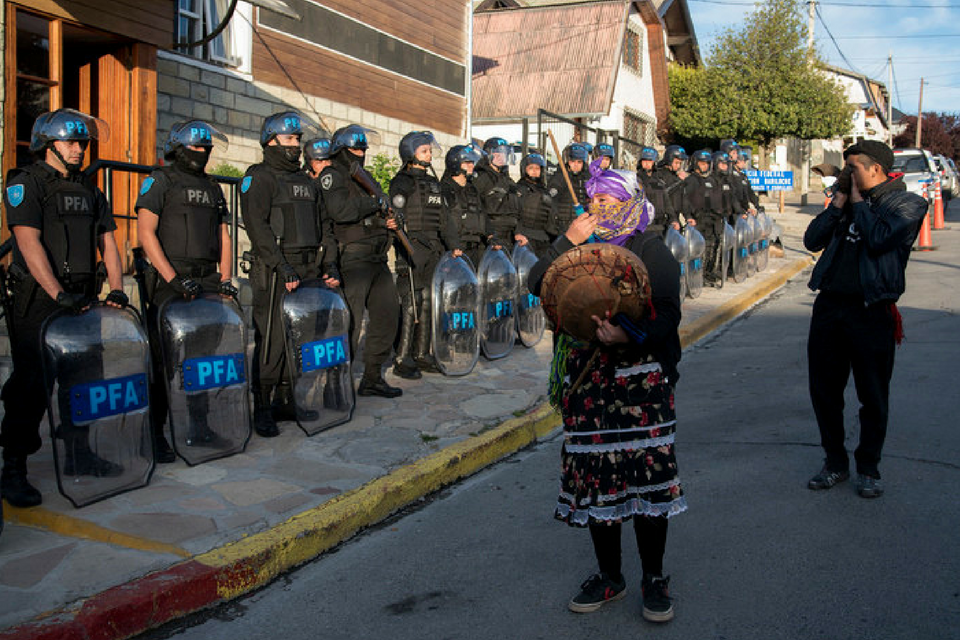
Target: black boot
(422, 339)
(80, 460)
(377, 386)
(263, 422)
(403, 364)
(285, 407)
(14, 487)
(162, 452)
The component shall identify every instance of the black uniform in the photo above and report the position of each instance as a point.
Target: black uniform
(655, 191)
(428, 225)
(499, 196)
(561, 195)
(538, 214)
(470, 220)
(745, 195)
(191, 210)
(71, 213)
(703, 201)
(281, 213)
(363, 241)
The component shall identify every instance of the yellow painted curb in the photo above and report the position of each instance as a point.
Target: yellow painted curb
(76, 528)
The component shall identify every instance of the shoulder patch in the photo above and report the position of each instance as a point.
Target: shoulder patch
(147, 183)
(326, 181)
(245, 184)
(15, 195)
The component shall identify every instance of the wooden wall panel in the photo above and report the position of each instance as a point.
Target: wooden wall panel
(277, 59)
(148, 21)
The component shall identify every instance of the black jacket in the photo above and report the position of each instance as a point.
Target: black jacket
(888, 220)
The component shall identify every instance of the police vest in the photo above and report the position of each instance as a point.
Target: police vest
(294, 214)
(537, 207)
(655, 191)
(69, 224)
(424, 207)
(471, 215)
(189, 227)
(565, 212)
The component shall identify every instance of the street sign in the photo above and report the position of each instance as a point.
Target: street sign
(771, 180)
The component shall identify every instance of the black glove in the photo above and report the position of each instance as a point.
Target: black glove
(227, 289)
(118, 297)
(287, 273)
(187, 287)
(331, 271)
(75, 302)
(370, 207)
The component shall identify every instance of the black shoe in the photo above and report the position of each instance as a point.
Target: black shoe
(868, 486)
(427, 364)
(827, 478)
(285, 407)
(162, 452)
(406, 369)
(596, 591)
(657, 606)
(263, 422)
(14, 486)
(87, 463)
(378, 388)
(204, 437)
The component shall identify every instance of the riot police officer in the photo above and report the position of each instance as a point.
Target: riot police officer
(655, 190)
(59, 219)
(281, 213)
(182, 226)
(671, 172)
(538, 216)
(463, 199)
(745, 199)
(703, 207)
(415, 190)
(363, 225)
(316, 156)
(605, 151)
(575, 156)
(498, 193)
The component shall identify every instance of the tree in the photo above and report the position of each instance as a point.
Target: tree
(758, 84)
(940, 134)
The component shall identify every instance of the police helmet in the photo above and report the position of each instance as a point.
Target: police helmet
(353, 136)
(533, 158)
(718, 157)
(576, 151)
(459, 154)
(316, 149)
(413, 141)
(727, 145)
(499, 145)
(649, 153)
(703, 155)
(66, 124)
(603, 150)
(283, 123)
(672, 152)
(194, 133)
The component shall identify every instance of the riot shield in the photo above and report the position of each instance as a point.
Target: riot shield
(728, 242)
(696, 246)
(678, 247)
(756, 234)
(456, 331)
(531, 320)
(741, 250)
(97, 365)
(204, 360)
(763, 257)
(498, 292)
(316, 322)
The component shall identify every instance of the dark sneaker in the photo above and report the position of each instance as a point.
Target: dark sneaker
(596, 591)
(868, 486)
(657, 606)
(826, 479)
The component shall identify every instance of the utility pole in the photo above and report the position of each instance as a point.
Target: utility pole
(890, 99)
(920, 115)
(812, 6)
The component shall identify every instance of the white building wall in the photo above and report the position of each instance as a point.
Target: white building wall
(633, 91)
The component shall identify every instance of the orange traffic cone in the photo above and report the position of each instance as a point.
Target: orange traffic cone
(938, 209)
(925, 239)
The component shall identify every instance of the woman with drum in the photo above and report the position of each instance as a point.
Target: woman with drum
(611, 289)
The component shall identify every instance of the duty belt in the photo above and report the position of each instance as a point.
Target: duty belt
(300, 256)
(195, 270)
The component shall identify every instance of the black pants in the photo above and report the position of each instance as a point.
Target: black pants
(651, 534)
(369, 285)
(847, 336)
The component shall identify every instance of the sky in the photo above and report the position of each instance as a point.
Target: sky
(923, 36)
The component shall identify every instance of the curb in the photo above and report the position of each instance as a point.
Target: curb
(250, 563)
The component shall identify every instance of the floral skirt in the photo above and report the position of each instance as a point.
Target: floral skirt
(618, 456)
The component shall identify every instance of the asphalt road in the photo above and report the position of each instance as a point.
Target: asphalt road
(756, 556)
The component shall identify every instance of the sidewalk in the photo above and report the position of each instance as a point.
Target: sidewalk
(199, 535)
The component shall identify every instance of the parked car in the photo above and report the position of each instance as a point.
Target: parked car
(948, 177)
(918, 167)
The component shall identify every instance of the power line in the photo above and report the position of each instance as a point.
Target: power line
(902, 37)
(827, 29)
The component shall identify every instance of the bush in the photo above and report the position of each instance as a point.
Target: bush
(383, 169)
(227, 170)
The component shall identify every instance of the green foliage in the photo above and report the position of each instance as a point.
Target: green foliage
(226, 169)
(758, 84)
(384, 167)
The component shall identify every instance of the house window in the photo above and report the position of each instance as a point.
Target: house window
(197, 18)
(632, 51)
(639, 128)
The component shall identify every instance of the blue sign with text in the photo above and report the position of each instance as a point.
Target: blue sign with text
(323, 354)
(455, 321)
(210, 372)
(104, 398)
(500, 309)
(771, 180)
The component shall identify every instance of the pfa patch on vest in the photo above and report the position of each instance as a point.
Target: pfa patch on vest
(245, 184)
(147, 183)
(15, 195)
(326, 182)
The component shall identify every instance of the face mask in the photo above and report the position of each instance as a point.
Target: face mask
(283, 157)
(605, 211)
(192, 161)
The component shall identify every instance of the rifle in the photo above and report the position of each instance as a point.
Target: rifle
(364, 180)
(140, 275)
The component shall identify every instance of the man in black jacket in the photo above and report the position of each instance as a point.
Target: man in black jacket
(866, 235)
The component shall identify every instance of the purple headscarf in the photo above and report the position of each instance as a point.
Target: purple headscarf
(618, 223)
(611, 182)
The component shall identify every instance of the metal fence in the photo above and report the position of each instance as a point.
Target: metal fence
(566, 130)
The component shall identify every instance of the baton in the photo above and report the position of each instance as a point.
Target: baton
(566, 178)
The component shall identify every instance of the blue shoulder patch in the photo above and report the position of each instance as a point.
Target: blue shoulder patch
(145, 187)
(15, 195)
(245, 185)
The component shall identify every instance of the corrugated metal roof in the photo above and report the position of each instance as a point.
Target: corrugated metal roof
(563, 59)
